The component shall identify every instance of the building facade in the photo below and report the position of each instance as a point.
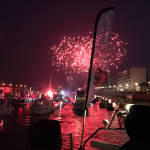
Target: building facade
(130, 78)
(11, 89)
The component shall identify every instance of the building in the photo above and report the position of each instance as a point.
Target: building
(9, 89)
(131, 78)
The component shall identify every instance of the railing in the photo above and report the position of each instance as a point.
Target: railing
(105, 122)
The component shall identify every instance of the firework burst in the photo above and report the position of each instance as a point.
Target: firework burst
(73, 54)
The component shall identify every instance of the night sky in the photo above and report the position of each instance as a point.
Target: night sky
(28, 29)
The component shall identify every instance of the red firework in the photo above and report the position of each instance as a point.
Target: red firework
(73, 54)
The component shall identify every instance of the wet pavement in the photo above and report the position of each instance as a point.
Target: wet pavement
(13, 135)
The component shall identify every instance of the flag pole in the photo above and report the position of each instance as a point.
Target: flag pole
(90, 69)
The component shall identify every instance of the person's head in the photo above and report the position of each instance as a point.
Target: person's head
(137, 123)
(45, 135)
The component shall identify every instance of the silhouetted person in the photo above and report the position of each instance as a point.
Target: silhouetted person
(45, 135)
(137, 125)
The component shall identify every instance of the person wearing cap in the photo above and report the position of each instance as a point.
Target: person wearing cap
(45, 135)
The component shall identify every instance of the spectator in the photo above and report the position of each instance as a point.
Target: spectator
(137, 126)
(45, 135)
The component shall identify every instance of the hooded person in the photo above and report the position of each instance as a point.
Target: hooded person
(45, 135)
(137, 126)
